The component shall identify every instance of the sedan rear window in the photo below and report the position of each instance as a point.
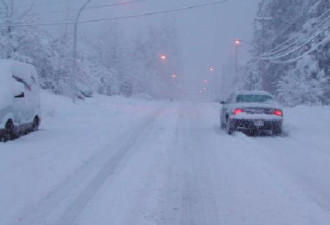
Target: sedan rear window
(253, 98)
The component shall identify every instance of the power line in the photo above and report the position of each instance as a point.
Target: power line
(299, 43)
(122, 17)
(50, 3)
(320, 21)
(294, 45)
(91, 7)
(295, 59)
(99, 6)
(117, 4)
(300, 47)
(280, 34)
(88, 8)
(294, 53)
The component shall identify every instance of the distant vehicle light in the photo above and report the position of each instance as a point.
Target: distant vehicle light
(278, 112)
(238, 111)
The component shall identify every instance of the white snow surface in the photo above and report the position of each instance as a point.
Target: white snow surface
(128, 161)
(8, 68)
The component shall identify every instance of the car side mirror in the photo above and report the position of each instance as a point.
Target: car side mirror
(222, 102)
(21, 95)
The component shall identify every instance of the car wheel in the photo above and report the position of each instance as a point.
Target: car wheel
(35, 124)
(10, 132)
(229, 127)
(277, 131)
(222, 124)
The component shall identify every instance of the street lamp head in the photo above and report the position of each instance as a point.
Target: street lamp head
(237, 42)
(212, 69)
(163, 57)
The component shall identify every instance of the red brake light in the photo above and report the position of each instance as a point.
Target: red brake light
(238, 111)
(278, 112)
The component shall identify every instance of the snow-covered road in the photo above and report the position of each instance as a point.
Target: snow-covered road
(124, 162)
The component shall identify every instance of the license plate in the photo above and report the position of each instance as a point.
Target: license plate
(258, 123)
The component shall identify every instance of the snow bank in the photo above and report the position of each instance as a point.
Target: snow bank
(308, 122)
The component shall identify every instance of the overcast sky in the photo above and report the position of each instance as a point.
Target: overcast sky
(206, 33)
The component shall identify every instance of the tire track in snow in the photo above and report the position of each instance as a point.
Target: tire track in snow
(197, 190)
(64, 204)
(148, 207)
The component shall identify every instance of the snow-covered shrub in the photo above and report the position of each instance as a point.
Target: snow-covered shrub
(307, 84)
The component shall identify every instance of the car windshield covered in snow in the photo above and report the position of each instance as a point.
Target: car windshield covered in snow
(253, 98)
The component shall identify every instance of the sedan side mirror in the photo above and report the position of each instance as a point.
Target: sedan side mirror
(21, 95)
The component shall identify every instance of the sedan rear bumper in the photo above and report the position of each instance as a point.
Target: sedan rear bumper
(256, 124)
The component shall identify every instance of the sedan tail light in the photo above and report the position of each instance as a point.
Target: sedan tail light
(278, 112)
(238, 111)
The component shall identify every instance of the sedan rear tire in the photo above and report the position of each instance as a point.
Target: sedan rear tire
(230, 127)
(277, 131)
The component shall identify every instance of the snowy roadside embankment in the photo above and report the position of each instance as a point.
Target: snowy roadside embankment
(309, 123)
(70, 135)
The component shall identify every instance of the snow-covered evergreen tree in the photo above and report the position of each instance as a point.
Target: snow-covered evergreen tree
(109, 54)
(306, 84)
(33, 45)
(291, 49)
(14, 40)
(153, 75)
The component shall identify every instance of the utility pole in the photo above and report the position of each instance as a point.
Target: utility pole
(68, 9)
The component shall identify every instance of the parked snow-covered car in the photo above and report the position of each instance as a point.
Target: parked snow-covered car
(251, 111)
(19, 99)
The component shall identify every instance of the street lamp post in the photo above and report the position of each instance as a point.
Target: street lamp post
(261, 64)
(237, 43)
(215, 88)
(74, 52)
